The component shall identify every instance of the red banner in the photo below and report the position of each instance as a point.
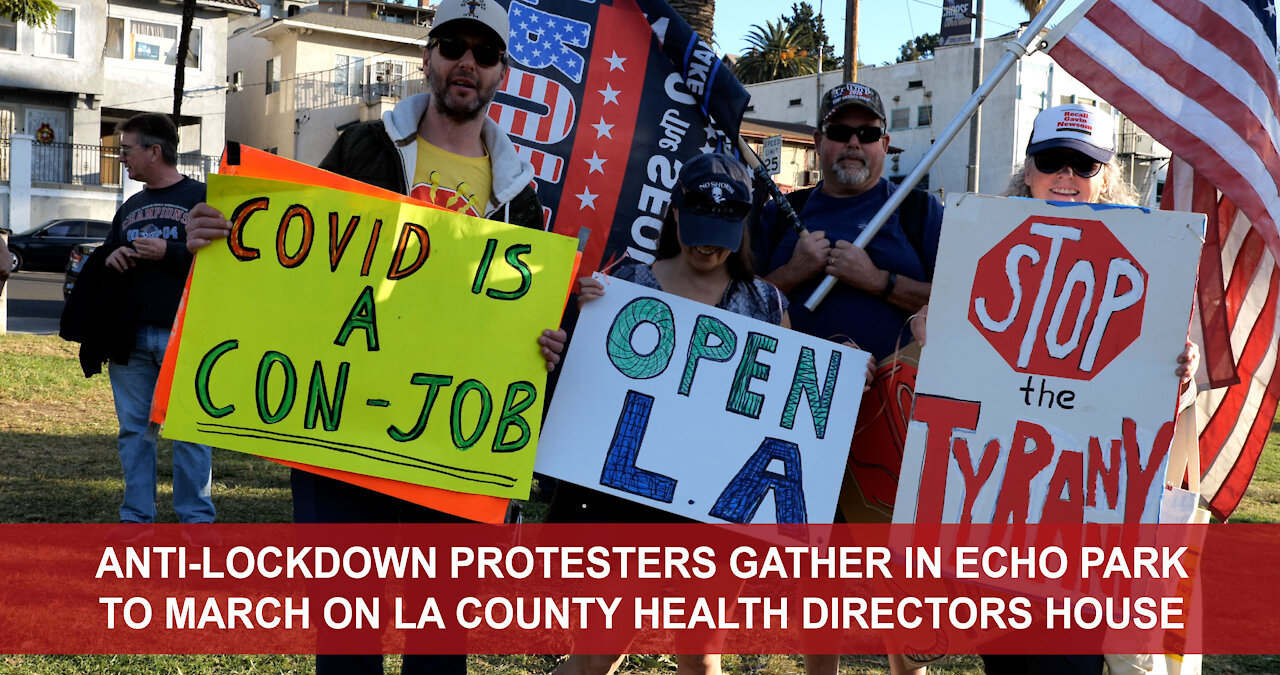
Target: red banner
(643, 588)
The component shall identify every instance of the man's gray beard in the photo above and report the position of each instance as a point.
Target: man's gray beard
(460, 113)
(851, 176)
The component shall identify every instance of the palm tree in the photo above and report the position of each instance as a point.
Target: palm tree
(700, 14)
(1032, 7)
(775, 52)
(180, 68)
(37, 13)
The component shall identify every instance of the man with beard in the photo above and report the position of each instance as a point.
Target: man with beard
(882, 286)
(439, 147)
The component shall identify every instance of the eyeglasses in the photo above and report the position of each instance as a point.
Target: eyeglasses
(453, 49)
(702, 204)
(126, 149)
(841, 133)
(1052, 161)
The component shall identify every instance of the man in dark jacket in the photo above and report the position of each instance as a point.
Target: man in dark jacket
(147, 257)
(442, 148)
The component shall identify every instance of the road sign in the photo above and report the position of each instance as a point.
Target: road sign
(771, 154)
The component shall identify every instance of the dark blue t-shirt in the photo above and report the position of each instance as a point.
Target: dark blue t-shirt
(874, 324)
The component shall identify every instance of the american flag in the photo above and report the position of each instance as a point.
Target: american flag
(1200, 77)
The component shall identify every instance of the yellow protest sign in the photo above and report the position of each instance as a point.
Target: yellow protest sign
(369, 336)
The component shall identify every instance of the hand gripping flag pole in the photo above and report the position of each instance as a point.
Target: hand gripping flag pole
(1014, 51)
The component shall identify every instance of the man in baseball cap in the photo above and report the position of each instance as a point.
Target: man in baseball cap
(847, 94)
(488, 13)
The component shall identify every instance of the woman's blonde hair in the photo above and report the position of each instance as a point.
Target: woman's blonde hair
(1115, 189)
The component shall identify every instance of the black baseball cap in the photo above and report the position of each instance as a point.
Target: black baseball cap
(847, 94)
(713, 196)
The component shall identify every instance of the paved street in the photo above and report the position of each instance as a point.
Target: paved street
(34, 302)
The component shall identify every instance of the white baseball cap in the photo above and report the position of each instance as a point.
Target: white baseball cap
(487, 12)
(1076, 126)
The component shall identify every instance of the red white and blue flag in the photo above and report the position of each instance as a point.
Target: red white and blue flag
(1200, 77)
(607, 99)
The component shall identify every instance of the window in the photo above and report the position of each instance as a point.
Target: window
(750, 108)
(389, 77)
(71, 228)
(148, 41)
(795, 102)
(97, 230)
(273, 75)
(348, 74)
(60, 38)
(115, 38)
(915, 84)
(900, 118)
(8, 36)
(237, 80)
(924, 116)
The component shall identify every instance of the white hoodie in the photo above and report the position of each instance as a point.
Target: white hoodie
(511, 173)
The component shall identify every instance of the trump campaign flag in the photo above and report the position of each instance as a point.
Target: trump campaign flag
(1200, 77)
(606, 100)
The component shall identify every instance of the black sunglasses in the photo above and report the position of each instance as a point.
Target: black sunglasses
(841, 133)
(1052, 161)
(454, 49)
(702, 204)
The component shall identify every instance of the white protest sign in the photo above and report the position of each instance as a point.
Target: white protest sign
(702, 412)
(771, 154)
(1046, 390)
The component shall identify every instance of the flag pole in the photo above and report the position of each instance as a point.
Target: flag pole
(1014, 50)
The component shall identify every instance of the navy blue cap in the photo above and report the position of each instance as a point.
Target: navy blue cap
(712, 196)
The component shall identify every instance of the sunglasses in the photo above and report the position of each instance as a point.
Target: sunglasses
(1052, 161)
(453, 49)
(701, 204)
(841, 133)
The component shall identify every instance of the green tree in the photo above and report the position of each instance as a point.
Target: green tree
(920, 47)
(38, 13)
(812, 32)
(776, 52)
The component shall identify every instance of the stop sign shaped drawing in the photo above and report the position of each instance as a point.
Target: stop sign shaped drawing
(1060, 297)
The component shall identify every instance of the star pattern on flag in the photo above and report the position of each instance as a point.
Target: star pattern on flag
(597, 164)
(602, 129)
(543, 40)
(610, 94)
(1271, 9)
(586, 199)
(615, 62)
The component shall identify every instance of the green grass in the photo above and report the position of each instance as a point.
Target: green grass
(57, 431)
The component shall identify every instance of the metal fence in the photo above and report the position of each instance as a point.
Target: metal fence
(79, 164)
(332, 88)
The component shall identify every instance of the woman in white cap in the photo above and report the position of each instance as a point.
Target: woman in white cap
(1071, 158)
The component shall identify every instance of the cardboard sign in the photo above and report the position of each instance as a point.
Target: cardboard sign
(702, 412)
(1046, 391)
(369, 336)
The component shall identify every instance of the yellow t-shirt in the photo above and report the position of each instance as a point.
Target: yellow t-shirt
(452, 181)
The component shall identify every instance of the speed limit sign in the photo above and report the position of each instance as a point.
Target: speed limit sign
(771, 154)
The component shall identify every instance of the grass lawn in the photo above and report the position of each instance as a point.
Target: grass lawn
(57, 432)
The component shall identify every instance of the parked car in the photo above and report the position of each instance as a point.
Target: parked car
(75, 263)
(48, 246)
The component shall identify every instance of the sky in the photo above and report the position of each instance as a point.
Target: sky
(883, 24)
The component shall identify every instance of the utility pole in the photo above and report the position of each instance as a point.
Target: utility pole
(975, 123)
(818, 83)
(851, 41)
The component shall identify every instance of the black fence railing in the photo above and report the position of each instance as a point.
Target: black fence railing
(80, 164)
(4, 158)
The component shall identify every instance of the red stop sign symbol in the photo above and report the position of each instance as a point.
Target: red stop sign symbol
(1058, 296)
